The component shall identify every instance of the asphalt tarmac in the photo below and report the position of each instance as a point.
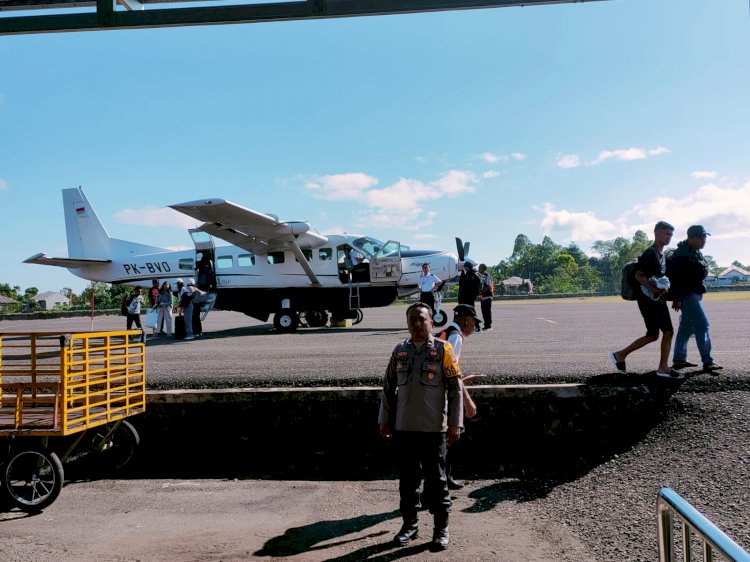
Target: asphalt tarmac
(566, 340)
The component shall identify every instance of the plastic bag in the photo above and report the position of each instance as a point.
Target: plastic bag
(152, 317)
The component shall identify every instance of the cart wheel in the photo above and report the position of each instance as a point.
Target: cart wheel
(33, 479)
(120, 448)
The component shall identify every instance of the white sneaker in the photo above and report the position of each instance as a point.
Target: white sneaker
(189, 337)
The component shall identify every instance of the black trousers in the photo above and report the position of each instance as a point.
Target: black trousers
(487, 313)
(421, 455)
(428, 299)
(134, 319)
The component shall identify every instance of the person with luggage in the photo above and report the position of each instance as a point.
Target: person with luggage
(184, 322)
(164, 307)
(485, 295)
(652, 268)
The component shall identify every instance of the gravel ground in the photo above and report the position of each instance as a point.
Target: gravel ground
(701, 450)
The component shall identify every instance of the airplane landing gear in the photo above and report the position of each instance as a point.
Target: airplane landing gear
(439, 319)
(314, 318)
(360, 316)
(285, 320)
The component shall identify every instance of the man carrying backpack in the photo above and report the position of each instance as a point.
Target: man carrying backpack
(688, 269)
(469, 286)
(651, 268)
(486, 294)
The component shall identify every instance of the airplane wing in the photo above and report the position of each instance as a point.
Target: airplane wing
(255, 232)
(68, 263)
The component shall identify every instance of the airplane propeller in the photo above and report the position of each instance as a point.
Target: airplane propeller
(463, 249)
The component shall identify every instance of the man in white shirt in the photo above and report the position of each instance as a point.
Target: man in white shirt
(464, 322)
(429, 283)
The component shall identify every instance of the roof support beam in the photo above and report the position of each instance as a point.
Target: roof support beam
(105, 17)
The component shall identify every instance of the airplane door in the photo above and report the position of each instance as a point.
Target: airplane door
(385, 266)
(205, 255)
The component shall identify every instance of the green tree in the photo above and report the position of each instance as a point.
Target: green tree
(10, 291)
(614, 254)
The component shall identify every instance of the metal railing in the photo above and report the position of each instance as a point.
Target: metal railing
(713, 538)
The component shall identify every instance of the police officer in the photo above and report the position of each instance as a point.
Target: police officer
(421, 407)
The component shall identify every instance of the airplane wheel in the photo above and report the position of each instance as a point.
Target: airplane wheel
(286, 321)
(316, 318)
(360, 316)
(439, 319)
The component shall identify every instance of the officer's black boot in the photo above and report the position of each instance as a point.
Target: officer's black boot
(408, 532)
(440, 538)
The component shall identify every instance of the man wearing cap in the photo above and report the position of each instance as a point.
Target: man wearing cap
(469, 286)
(688, 269)
(464, 323)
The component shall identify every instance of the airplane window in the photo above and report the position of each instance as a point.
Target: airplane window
(369, 246)
(246, 260)
(223, 262)
(187, 264)
(390, 249)
(307, 254)
(325, 253)
(275, 257)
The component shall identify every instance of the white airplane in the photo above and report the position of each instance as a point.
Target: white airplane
(284, 268)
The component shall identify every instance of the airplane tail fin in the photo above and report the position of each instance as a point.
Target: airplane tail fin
(87, 237)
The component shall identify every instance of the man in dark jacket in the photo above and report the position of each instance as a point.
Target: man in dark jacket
(688, 269)
(469, 286)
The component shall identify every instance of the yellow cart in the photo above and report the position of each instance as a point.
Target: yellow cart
(64, 396)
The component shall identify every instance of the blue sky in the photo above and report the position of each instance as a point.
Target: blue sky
(579, 121)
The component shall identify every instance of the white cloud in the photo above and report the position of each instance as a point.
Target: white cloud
(420, 159)
(568, 161)
(3, 184)
(627, 154)
(704, 175)
(490, 174)
(152, 216)
(397, 205)
(492, 158)
(341, 187)
(722, 209)
(579, 226)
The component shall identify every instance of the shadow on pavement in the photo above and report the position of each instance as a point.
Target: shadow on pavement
(307, 538)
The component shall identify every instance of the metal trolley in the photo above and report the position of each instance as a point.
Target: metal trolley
(63, 397)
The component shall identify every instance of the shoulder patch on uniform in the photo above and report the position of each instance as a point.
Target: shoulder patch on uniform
(450, 361)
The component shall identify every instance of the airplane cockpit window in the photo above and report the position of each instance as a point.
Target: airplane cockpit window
(390, 249)
(223, 262)
(369, 246)
(275, 257)
(325, 254)
(246, 260)
(187, 264)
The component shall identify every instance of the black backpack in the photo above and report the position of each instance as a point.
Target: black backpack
(629, 287)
